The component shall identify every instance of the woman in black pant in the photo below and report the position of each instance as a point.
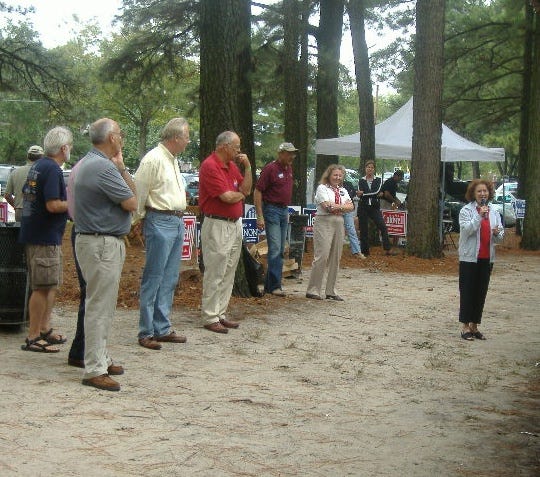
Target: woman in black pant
(480, 228)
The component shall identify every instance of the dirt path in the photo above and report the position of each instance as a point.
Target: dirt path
(380, 385)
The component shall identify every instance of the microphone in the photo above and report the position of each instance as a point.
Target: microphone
(482, 204)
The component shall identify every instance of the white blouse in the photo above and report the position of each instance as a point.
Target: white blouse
(325, 193)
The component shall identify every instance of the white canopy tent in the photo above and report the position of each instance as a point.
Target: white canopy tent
(393, 140)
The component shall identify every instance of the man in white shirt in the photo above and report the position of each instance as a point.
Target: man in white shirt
(162, 202)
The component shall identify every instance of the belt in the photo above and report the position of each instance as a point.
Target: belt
(176, 213)
(281, 206)
(219, 217)
(98, 234)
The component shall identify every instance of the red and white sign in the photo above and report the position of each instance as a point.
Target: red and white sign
(396, 222)
(4, 211)
(190, 229)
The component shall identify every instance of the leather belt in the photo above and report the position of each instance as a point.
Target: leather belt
(176, 213)
(98, 234)
(275, 204)
(219, 217)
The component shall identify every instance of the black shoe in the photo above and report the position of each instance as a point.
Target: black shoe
(334, 297)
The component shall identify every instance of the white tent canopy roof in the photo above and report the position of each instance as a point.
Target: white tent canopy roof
(393, 140)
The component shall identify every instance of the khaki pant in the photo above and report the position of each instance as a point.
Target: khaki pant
(221, 246)
(328, 234)
(101, 259)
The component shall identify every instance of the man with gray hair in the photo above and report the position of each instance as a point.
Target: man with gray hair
(161, 206)
(43, 222)
(222, 191)
(16, 180)
(103, 199)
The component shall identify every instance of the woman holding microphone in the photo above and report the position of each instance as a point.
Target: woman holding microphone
(480, 229)
(332, 202)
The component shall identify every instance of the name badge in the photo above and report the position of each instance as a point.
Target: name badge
(280, 175)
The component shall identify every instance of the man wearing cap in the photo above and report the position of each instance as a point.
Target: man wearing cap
(222, 191)
(17, 178)
(161, 205)
(272, 196)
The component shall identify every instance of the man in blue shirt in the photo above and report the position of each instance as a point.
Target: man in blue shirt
(43, 222)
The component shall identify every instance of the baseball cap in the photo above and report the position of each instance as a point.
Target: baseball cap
(35, 149)
(287, 146)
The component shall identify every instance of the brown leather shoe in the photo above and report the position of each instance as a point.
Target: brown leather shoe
(229, 324)
(115, 370)
(78, 363)
(149, 342)
(102, 382)
(172, 337)
(216, 327)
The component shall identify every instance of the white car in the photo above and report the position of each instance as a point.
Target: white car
(506, 211)
(509, 187)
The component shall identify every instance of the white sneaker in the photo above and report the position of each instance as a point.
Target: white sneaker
(278, 292)
(359, 255)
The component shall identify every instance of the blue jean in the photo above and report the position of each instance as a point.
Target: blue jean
(163, 236)
(354, 243)
(276, 224)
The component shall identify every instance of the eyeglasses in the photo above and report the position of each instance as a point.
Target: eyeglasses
(236, 147)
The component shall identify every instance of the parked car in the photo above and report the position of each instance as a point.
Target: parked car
(192, 188)
(509, 187)
(506, 211)
(5, 171)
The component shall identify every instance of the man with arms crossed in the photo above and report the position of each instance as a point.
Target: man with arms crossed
(222, 190)
(43, 223)
(162, 202)
(104, 197)
(272, 196)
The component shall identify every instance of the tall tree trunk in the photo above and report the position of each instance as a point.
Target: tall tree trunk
(423, 237)
(295, 72)
(531, 224)
(225, 89)
(366, 114)
(244, 96)
(328, 47)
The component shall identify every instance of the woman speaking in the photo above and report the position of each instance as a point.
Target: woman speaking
(480, 228)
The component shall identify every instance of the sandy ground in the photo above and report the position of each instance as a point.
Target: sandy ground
(380, 385)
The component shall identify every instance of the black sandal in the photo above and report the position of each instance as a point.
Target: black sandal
(49, 338)
(38, 345)
(469, 336)
(479, 336)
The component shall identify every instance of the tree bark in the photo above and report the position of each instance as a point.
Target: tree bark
(295, 81)
(328, 46)
(531, 179)
(366, 114)
(423, 237)
(225, 88)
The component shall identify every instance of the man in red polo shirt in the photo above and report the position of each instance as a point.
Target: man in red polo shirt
(222, 190)
(272, 196)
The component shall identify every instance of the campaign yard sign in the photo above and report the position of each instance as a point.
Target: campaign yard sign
(250, 234)
(396, 222)
(190, 230)
(519, 207)
(311, 217)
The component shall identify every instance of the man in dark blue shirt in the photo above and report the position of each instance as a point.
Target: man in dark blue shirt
(43, 222)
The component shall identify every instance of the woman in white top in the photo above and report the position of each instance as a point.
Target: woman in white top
(332, 202)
